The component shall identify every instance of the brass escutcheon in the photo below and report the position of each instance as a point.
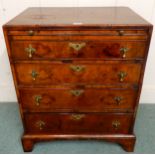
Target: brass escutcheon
(77, 68)
(77, 92)
(77, 117)
(118, 99)
(77, 46)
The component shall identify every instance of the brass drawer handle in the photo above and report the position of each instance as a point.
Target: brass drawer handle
(77, 117)
(38, 99)
(118, 99)
(77, 46)
(122, 76)
(116, 124)
(34, 74)
(77, 68)
(124, 50)
(121, 32)
(31, 33)
(77, 92)
(30, 50)
(40, 124)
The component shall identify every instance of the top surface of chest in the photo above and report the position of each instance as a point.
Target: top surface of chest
(72, 17)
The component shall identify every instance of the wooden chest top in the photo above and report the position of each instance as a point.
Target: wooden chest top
(80, 17)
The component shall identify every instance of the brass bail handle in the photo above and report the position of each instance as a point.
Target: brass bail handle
(77, 46)
(124, 51)
(30, 32)
(30, 50)
(118, 99)
(116, 124)
(122, 76)
(120, 32)
(34, 75)
(38, 99)
(40, 124)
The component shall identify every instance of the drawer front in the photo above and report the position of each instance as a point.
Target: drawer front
(78, 35)
(78, 100)
(60, 123)
(28, 50)
(115, 32)
(79, 73)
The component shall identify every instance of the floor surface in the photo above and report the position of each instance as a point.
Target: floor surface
(11, 131)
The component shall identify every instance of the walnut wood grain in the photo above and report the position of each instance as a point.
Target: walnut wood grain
(87, 16)
(57, 73)
(90, 100)
(63, 123)
(93, 49)
(77, 38)
(88, 32)
(104, 31)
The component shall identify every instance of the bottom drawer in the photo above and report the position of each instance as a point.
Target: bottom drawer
(64, 123)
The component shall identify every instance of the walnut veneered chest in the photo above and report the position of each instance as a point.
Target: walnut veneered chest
(78, 72)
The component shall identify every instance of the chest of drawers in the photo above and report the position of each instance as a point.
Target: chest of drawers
(78, 72)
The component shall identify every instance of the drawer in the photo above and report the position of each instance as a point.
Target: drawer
(57, 73)
(61, 35)
(110, 32)
(38, 50)
(78, 100)
(63, 123)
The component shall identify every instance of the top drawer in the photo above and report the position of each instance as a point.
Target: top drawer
(78, 35)
(119, 32)
(38, 50)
